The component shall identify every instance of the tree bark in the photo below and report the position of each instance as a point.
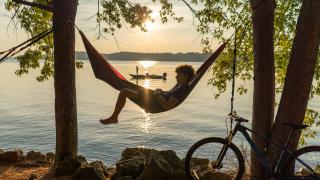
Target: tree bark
(264, 80)
(299, 76)
(64, 13)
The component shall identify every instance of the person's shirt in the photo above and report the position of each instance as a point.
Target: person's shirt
(178, 91)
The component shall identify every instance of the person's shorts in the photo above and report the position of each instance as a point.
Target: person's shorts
(148, 101)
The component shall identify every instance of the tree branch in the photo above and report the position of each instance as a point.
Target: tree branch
(33, 4)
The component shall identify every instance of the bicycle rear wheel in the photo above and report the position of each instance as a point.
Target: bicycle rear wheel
(309, 155)
(200, 161)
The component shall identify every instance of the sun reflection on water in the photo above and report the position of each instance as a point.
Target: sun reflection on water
(146, 123)
(146, 83)
(147, 64)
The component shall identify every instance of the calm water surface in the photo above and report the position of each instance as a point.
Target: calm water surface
(27, 113)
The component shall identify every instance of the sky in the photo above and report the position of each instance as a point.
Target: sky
(170, 37)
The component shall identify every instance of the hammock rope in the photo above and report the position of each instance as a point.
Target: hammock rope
(20, 47)
(29, 42)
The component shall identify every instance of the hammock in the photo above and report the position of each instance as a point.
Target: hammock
(105, 72)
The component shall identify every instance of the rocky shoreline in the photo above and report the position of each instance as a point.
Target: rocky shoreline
(135, 163)
(33, 165)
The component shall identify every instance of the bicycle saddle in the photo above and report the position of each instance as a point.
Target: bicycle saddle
(295, 126)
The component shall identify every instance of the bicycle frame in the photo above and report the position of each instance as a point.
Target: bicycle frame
(270, 172)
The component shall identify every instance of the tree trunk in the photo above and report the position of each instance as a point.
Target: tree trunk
(299, 76)
(264, 81)
(64, 79)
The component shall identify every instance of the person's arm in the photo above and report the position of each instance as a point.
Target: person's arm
(166, 104)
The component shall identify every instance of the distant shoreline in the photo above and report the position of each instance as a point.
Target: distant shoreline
(136, 56)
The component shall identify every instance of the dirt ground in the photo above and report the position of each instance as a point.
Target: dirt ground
(11, 171)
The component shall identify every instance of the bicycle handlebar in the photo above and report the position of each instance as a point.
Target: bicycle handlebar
(235, 117)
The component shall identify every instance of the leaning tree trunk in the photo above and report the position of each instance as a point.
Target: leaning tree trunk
(299, 76)
(263, 95)
(64, 79)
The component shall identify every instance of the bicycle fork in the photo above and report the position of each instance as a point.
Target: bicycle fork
(218, 163)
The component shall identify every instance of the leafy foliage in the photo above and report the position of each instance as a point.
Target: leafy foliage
(312, 118)
(116, 13)
(35, 21)
(218, 19)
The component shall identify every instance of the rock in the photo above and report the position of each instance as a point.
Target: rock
(172, 158)
(50, 156)
(38, 156)
(165, 164)
(100, 167)
(135, 152)
(202, 163)
(27, 164)
(211, 175)
(89, 172)
(158, 166)
(129, 167)
(1, 151)
(22, 157)
(34, 176)
(111, 170)
(199, 162)
(144, 164)
(69, 166)
(10, 156)
(19, 151)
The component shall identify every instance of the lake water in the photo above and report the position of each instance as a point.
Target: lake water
(27, 113)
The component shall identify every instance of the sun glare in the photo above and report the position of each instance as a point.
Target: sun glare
(146, 83)
(150, 26)
(147, 64)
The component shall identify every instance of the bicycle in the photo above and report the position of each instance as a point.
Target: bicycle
(216, 155)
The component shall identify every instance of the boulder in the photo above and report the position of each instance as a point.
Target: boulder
(129, 167)
(93, 171)
(110, 170)
(141, 163)
(37, 156)
(212, 175)
(100, 167)
(156, 165)
(50, 157)
(89, 172)
(165, 165)
(10, 156)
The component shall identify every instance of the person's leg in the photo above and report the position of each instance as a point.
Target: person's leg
(119, 105)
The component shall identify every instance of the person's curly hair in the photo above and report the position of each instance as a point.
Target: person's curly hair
(186, 69)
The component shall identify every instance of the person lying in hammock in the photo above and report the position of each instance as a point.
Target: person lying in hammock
(155, 99)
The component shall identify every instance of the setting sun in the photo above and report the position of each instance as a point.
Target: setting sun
(150, 26)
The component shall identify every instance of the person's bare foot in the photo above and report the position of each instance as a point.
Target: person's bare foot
(109, 120)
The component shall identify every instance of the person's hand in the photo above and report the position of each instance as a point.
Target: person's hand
(158, 91)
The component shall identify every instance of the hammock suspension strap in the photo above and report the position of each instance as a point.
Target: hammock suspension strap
(20, 47)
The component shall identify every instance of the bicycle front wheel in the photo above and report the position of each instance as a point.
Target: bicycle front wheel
(201, 160)
(311, 157)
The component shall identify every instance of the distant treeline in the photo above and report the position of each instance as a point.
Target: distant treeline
(134, 56)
